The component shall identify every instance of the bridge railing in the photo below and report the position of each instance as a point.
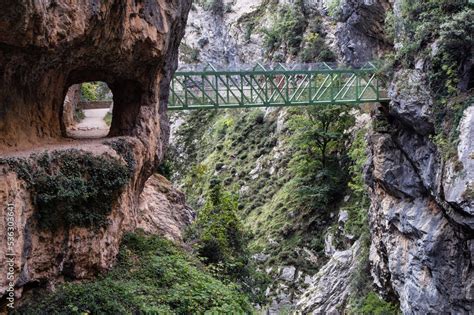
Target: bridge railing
(205, 86)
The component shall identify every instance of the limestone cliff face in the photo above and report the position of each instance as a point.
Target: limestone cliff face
(163, 209)
(45, 47)
(421, 215)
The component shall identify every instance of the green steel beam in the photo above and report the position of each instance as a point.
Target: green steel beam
(282, 85)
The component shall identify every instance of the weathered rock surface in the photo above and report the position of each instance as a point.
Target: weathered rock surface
(411, 100)
(360, 30)
(421, 216)
(459, 185)
(47, 46)
(163, 209)
(330, 288)
(70, 104)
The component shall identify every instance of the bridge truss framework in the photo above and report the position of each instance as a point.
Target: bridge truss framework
(207, 87)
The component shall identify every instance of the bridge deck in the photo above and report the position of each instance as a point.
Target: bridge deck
(198, 87)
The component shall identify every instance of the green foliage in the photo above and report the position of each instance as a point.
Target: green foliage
(357, 223)
(219, 238)
(189, 54)
(151, 276)
(125, 150)
(219, 232)
(108, 119)
(78, 115)
(318, 133)
(166, 169)
(274, 206)
(71, 188)
(315, 49)
(440, 32)
(374, 305)
(287, 29)
(95, 91)
(448, 23)
(447, 119)
(333, 7)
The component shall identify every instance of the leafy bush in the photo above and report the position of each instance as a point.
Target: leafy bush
(315, 49)
(71, 188)
(108, 119)
(287, 28)
(151, 275)
(78, 115)
(374, 305)
(318, 133)
(333, 7)
(357, 222)
(95, 91)
(220, 239)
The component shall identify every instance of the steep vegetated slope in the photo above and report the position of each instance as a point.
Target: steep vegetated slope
(297, 173)
(151, 275)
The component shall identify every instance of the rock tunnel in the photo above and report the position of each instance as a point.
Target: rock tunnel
(45, 47)
(48, 46)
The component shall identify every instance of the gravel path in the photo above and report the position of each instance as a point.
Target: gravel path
(92, 126)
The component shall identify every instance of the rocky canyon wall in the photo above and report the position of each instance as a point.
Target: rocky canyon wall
(67, 223)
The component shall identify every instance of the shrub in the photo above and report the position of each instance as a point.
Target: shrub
(108, 119)
(287, 29)
(94, 91)
(373, 304)
(152, 275)
(71, 188)
(219, 238)
(78, 115)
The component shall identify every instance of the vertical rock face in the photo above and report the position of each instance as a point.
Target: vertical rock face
(45, 47)
(421, 215)
(164, 209)
(70, 104)
(360, 35)
(330, 289)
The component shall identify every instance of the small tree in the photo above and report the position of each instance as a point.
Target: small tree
(318, 134)
(221, 241)
(220, 235)
(319, 131)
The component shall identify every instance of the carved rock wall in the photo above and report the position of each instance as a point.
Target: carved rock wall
(47, 46)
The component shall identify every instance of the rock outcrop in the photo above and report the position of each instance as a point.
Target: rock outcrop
(360, 30)
(421, 221)
(45, 47)
(330, 289)
(163, 209)
(70, 105)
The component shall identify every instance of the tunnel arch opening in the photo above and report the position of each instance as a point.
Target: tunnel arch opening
(87, 110)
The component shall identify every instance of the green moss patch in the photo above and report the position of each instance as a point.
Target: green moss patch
(71, 188)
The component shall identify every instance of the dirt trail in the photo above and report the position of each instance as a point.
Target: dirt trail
(87, 134)
(92, 126)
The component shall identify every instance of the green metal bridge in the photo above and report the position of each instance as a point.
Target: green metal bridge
(205, 86)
